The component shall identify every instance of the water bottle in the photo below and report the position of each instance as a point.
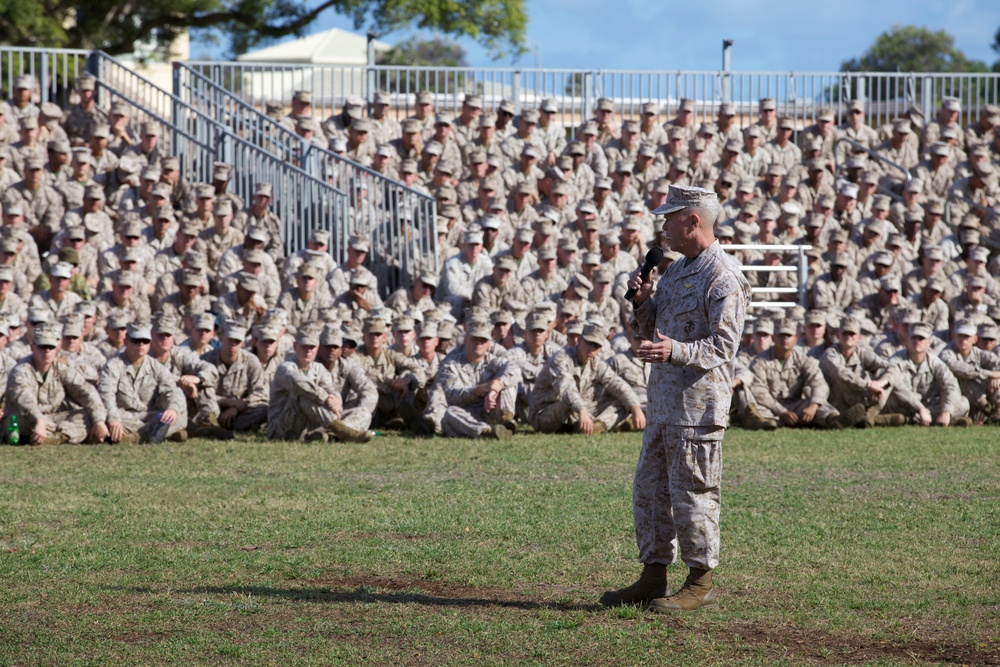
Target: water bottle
(159, 432)
(13, 431)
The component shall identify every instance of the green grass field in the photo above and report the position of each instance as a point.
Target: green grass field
(866, 547)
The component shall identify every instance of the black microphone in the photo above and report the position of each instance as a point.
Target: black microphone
(653, 259)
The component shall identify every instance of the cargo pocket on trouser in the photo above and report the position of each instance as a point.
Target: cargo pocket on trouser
(699, 459)
(695, 495)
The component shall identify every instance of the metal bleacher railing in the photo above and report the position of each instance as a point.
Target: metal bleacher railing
(332, 198)
(400, 222)
(765, 297)
(800, 95)
(301, 201)
(54, 70)
(218, 105)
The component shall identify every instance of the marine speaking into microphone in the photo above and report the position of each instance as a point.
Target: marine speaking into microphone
(653, 259)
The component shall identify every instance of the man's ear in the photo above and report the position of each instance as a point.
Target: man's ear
(694, 221)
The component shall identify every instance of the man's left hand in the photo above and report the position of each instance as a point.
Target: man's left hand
(809, 413)
(656, 352)
(227, 416)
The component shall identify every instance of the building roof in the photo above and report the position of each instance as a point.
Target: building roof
(330, 47)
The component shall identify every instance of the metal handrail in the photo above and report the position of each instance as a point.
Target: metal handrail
(261, 119)
(396, 256)
(798, 94)
(801, 267)
(301, 200)
(44, 65)
(836, 162)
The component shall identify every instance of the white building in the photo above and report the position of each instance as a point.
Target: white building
(336, 60)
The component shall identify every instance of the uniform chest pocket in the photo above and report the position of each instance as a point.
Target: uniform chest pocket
(687, 322)
(685, 303)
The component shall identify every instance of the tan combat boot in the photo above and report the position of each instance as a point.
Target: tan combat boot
(345, 433)
(871, 417)
(697, 593)
(754, 421)
(626, 426)
(961, 421)
(130, 438)
(500, 432)
(509, 422)
(890, 419)
(652, 583)
(209, 427)
(852, 416)
(316, 435)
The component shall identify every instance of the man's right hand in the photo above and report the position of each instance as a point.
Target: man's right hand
(790, 418)
(99, 432)
(586, 423)
(39, 433)
(643, 288)
(335, 403)
(116, 431)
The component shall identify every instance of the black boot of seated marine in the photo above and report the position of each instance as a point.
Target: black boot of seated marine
(651, 584)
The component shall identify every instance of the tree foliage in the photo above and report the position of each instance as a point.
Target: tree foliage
(117, 25)
(912, 48)
(434, 52)
(996, 47)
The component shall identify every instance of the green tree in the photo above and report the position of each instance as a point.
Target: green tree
(435, 52)
(574, 84)
(910, 48)
(116, 26)
(996, 47)
(418, 52)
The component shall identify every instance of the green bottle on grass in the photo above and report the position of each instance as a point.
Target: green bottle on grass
(13, 431)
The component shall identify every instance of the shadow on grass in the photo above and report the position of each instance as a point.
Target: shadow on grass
(369, 594)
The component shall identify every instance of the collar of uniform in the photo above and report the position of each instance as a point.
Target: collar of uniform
(699, 261)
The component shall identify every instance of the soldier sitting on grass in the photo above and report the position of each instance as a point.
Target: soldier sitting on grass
(858, 376)
(577, 392)
(304, 401)
(240, 393)
(480, 388)
(53, 402)
(926, 391)
(139, 393)
(358, 394)
(977, 372)
(789, 386)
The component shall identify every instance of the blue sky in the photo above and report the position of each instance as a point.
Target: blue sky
(776, 35)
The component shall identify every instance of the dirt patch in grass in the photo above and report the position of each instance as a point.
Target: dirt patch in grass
(142, 638)
(789, 641)
(821, 647)
(344, 597)
(405, 537)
